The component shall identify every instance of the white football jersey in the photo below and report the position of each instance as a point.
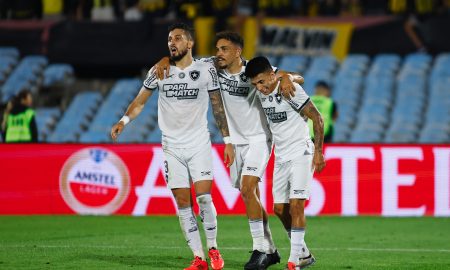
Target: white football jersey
(289, 129)
(183, 103)
(245, 116)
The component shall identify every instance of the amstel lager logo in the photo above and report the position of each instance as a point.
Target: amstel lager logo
(94, 181)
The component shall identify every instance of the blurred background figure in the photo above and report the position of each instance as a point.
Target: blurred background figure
(327, 107)
(19, 123)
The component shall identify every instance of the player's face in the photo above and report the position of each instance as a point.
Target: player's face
(179, 44)
(265, 82)
(227, 53)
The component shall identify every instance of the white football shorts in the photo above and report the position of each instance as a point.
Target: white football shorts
(182, 166)
(250, 159)
(292, 179)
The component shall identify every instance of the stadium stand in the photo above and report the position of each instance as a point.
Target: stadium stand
(385, 98)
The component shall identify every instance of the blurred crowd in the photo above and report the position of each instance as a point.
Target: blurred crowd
(110, 10)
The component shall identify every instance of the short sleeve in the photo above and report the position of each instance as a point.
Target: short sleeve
(300, 99)
(213, 82)
(151, 81)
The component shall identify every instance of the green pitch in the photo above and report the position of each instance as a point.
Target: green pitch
(122, 242)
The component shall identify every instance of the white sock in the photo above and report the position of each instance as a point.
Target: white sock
(305, 251)
(297, 238)
(257, 231)
(268, 244)
(189, 227)
(208, 215)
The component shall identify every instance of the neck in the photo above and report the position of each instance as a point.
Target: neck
(235, 67)
(185, 61)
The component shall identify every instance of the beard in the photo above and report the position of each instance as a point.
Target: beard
(178, 57)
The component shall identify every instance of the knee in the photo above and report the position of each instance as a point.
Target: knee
(278, 209)
(183, 201)
(297, 208)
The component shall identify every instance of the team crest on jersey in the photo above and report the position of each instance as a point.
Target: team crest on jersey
(181, 75)
(243, 77)
(278, 98)
(195, 74)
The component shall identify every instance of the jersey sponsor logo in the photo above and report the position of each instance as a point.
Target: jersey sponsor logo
(275, 117)
(231, 86)
(195, 74)
(180, 91)
(94, 181)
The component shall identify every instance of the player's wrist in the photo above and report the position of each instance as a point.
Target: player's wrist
(125, 120)
(227, 140)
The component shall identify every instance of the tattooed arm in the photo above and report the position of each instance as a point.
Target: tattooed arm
(221, 121)
(312, 113)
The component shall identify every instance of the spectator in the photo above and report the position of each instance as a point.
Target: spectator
(327, 107)
(21, 121)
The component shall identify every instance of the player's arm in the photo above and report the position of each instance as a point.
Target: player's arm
(287, 80)
(133, 110)
(310, 111)
(221, 121)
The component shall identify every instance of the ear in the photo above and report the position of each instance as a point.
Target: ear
(238, 52)
(190, 44)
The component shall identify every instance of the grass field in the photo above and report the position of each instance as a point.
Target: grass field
(122, 242)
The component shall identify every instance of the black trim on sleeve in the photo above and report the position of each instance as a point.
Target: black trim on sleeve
(301, 107)
(149, 89)
(216, 89)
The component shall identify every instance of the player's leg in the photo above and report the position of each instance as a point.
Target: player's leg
(299, 193)
(255, 157)
(200, 166)
(177, 178)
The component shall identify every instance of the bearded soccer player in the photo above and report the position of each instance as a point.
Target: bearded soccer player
(250, 138)
(182, 108)
(296, 157)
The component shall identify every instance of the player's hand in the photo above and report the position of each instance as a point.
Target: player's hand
(116, 130)
(162, 68)
(228, 155)
(318, 162)
(287, 87)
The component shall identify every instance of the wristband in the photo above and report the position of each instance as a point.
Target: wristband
(227, 140)
(125, 119)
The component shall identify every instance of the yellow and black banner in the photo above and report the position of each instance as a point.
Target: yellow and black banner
(278, 36)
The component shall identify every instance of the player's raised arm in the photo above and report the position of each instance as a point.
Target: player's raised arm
(287, 80)
(133, 110)
(312, 113)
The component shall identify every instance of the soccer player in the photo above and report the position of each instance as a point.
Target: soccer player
(296, 157)
(182, 108)
(250, 138)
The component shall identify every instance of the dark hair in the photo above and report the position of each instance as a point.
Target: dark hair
(256, 66)
(17, 100)
(189, 31)
(234, 37)
(323, 84)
